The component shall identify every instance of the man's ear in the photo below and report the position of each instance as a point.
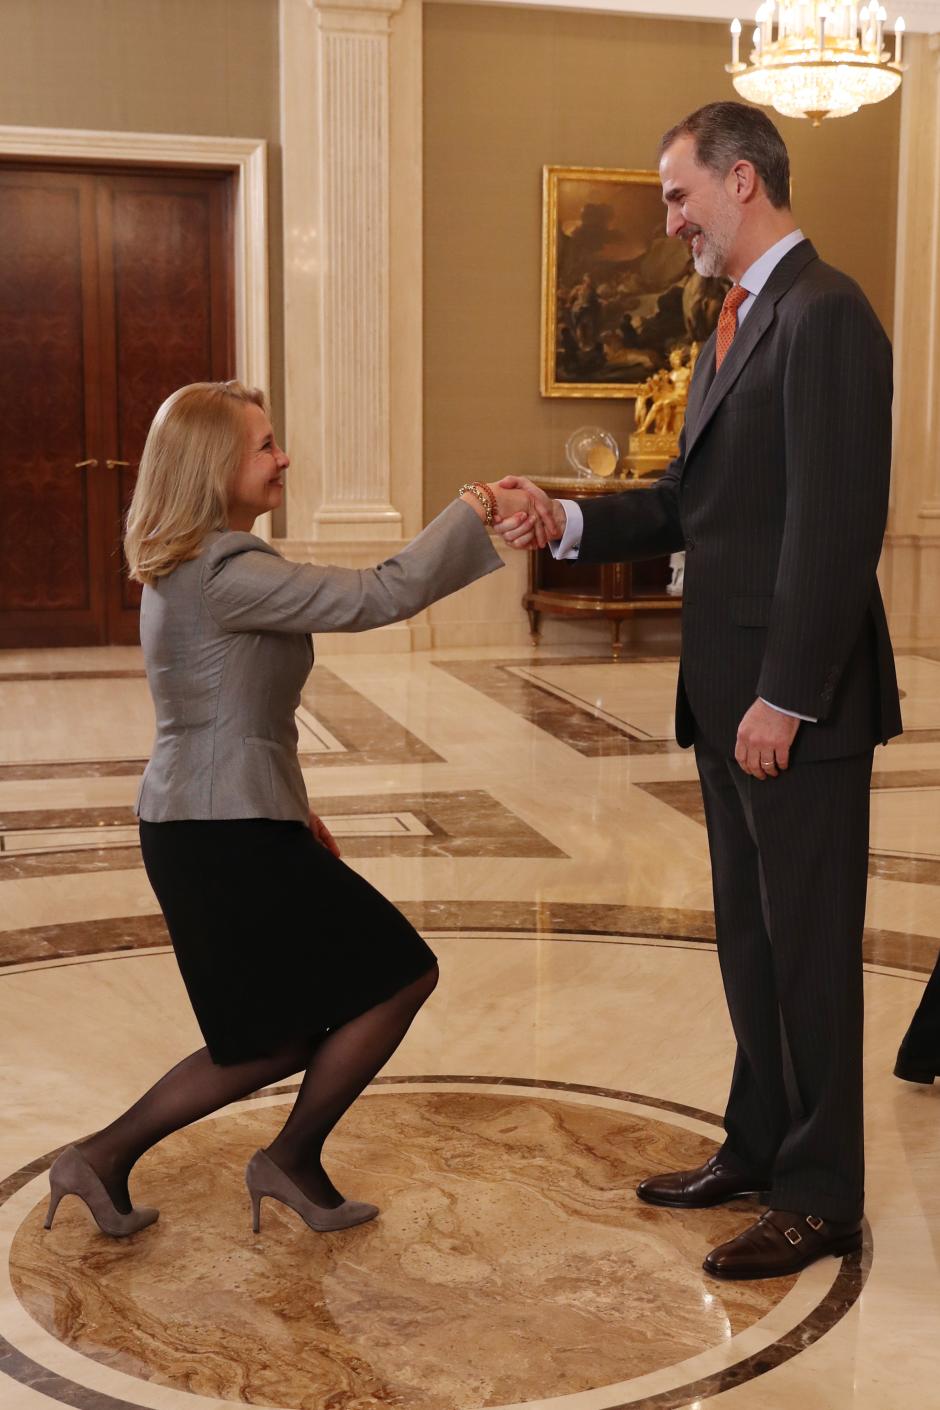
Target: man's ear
(743, 181)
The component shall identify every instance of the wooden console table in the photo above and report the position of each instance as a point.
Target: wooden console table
(611, 591)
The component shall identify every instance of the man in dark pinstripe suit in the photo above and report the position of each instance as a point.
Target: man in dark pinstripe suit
(779, 496)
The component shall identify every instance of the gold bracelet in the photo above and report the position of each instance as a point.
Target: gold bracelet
(478, 491)
(490, 494)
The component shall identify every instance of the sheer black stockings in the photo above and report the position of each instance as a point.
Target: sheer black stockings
(337, 1067)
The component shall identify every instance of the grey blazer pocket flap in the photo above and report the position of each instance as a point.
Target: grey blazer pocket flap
(259, 741)
(751, 611)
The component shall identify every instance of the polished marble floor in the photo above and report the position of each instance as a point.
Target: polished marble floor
(533, 815)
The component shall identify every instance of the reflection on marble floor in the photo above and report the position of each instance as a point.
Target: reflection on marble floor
(99, 722)
(474, 1190)
(533, 816)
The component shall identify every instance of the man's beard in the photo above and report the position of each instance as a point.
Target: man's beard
(717, 242)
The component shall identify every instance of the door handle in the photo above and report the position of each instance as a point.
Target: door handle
(85, 464)
(117, 464)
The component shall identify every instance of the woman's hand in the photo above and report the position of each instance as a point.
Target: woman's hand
(516, 510)
(523, 515)
(516, 507)
(323, 835)
(546, 519)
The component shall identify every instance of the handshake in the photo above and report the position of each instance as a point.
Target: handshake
(523, 514)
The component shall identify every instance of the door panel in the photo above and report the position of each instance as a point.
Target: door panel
(49, 403)
(115, 289)
(165, 321)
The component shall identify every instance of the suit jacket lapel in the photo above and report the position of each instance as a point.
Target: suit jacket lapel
(702, 378)
(755, 325)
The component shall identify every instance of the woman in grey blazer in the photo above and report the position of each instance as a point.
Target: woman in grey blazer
(291, 960)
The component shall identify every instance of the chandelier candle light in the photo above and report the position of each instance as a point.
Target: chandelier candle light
(813, 59)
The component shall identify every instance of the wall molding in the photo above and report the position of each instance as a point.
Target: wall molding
(921, 16)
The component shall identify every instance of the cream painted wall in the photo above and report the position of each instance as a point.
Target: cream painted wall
(508, 90)
(208, 67)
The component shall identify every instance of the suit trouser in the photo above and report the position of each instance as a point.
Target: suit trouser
(922, 1039)
(790, 870)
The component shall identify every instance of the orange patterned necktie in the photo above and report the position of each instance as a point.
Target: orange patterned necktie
(728, 321)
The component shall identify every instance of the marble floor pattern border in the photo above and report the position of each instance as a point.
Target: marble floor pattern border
(458, 823)
(368, 734)
(840, 1296)
(579, 726)
(64, 768)
(97, 675)
(685, 796)
(563, 922)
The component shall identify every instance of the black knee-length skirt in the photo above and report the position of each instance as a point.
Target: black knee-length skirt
(276, 938)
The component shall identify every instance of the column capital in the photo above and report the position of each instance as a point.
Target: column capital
(356, 16)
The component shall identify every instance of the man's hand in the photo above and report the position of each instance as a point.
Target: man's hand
(550, 515)
(513, 514)
(323, 835)
(764, 739)
(517, 515)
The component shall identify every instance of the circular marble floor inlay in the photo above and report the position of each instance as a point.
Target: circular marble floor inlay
(511, 1261)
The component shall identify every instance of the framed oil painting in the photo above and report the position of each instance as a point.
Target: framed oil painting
(618, 296)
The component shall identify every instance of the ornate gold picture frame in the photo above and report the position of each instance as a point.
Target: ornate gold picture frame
(618, 296)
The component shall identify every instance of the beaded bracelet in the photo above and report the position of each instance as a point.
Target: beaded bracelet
(490, 495)
(486, 497)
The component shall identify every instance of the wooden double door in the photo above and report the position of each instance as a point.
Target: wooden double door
(116, 288)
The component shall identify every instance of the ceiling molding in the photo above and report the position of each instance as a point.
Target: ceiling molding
(921, 16)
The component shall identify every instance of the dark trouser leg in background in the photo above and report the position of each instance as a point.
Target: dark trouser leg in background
(789, 915)
(919, 1057)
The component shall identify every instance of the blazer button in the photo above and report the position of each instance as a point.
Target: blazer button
(689, 545)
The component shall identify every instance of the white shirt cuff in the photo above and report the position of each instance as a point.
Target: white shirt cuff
(810, 719)
(569, 545)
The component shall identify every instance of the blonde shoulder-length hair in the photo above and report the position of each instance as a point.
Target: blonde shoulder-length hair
(193, 450)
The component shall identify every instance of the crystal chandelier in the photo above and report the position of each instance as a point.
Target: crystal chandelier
(816, 59)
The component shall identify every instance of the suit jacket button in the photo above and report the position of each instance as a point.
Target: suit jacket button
(689, 545)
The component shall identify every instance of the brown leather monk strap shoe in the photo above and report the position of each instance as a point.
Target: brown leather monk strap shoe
(781, 1243)
(710, 1184)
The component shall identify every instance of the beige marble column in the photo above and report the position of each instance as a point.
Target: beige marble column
(352, 183)
(911, 565)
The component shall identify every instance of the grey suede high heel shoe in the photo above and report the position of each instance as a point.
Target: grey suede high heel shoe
(263, 1177)
(72, 1175)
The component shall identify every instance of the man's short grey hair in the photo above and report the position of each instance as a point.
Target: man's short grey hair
(725, 133)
